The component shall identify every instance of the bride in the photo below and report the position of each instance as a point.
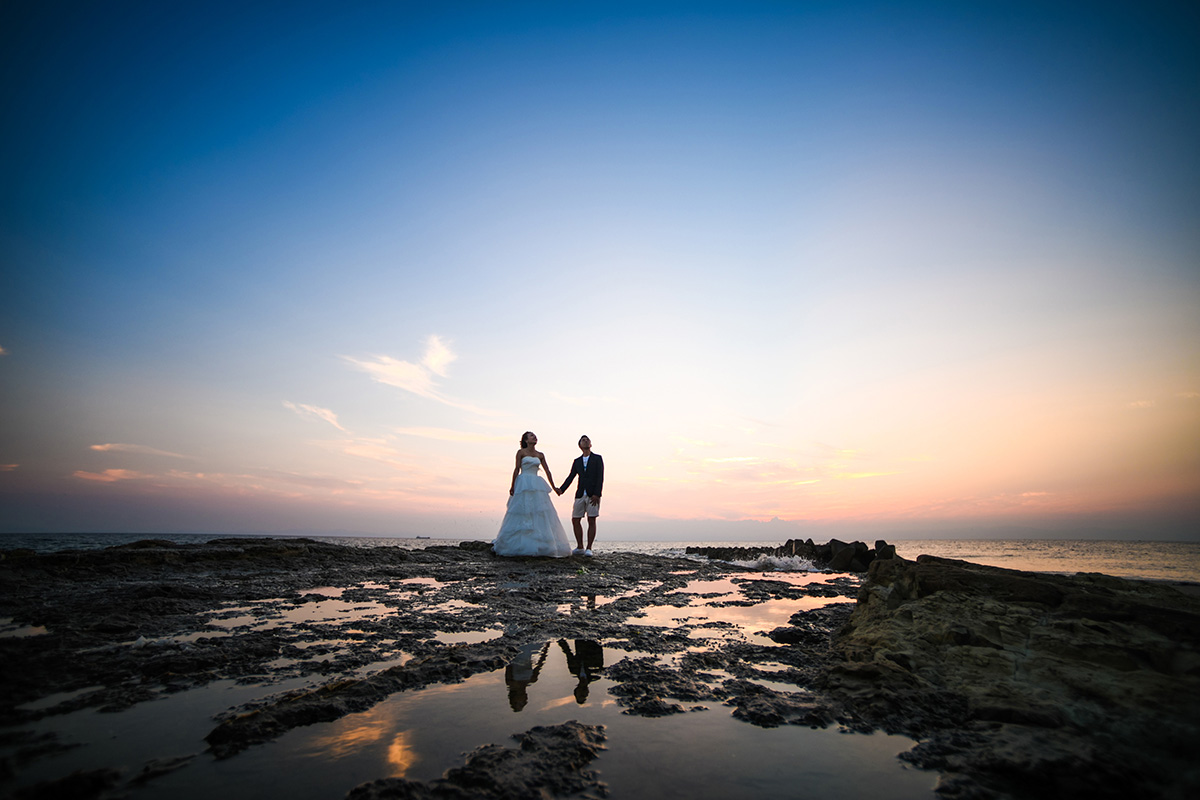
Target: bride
(531, 526)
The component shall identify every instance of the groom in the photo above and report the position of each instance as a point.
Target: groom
(590, 469)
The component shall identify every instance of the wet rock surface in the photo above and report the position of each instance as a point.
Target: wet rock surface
(1016, 684)
(1027, 685)
(132, 623)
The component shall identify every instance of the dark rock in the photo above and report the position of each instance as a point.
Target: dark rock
(837, 555)
(1028, 685)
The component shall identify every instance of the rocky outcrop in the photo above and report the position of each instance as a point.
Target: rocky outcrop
(1028, 685)
(835, 555)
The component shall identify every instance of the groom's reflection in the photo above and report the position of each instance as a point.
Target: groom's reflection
(522, 672)
(585, 664)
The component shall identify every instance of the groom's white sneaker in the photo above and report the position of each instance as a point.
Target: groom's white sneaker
(587, 553)
(580, 552)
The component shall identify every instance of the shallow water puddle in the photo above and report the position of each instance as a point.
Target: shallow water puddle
(325, 591)
(722, 601)
(590, 602)
(10, 629)
(281, 613)
(414, 586)
(58, 698)
(469, 637)
(420, 734)
(169, 726)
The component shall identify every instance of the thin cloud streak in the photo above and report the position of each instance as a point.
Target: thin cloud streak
(140, 449)
(438, 355)
(316, 411)
(111, 475)
(418, 378)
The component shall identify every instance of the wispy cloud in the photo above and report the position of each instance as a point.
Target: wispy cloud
(111, 475)
(449, 435)
(3, 352)
(140, 449)
(438, 355)
(8, 467)
(303, 409)
(405, 375)
(418, 378)
(854, 476)
(1142, 404)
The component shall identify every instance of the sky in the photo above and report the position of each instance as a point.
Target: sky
(797, 268)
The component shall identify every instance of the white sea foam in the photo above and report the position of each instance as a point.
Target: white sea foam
(768, 563)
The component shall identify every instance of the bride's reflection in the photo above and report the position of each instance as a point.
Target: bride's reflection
(522, 672)
(585, 664)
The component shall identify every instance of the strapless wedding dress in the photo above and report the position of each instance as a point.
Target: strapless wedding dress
(531, 526)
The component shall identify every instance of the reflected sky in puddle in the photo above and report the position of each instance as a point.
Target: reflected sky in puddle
(590, 602)
(420, 734)
(325, 591)
(9, 629)
(470, 637)
(706, 603)
(411, 586)
(278, 613)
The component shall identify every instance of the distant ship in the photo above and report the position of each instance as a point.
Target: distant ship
(420, 537)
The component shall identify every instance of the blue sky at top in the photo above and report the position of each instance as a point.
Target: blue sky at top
(869, 228)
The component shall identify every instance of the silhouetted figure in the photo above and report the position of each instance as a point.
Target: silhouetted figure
(522, 671)
(531, 526)
(585, 664)
(590, 469)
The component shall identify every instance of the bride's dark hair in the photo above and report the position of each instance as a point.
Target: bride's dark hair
(524, 436)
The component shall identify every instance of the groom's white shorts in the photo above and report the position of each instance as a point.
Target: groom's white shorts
(582, 507)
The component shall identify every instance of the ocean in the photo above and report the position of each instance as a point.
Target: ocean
(1165, 561)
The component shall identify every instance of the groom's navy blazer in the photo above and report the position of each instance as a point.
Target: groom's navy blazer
(591, 479)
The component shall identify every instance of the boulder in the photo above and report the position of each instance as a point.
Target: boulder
(1031, 685)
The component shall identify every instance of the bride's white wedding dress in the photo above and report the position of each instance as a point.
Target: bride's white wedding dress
(531, 526)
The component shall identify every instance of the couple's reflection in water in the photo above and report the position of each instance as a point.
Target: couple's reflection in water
(584, 663)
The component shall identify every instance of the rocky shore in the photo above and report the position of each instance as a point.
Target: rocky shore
(1028, 685)
(1014, 684)
(834, 555)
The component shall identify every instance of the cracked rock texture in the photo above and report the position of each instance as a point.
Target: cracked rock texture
(1029, 685)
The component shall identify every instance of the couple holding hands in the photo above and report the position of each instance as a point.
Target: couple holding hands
(531, 526)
